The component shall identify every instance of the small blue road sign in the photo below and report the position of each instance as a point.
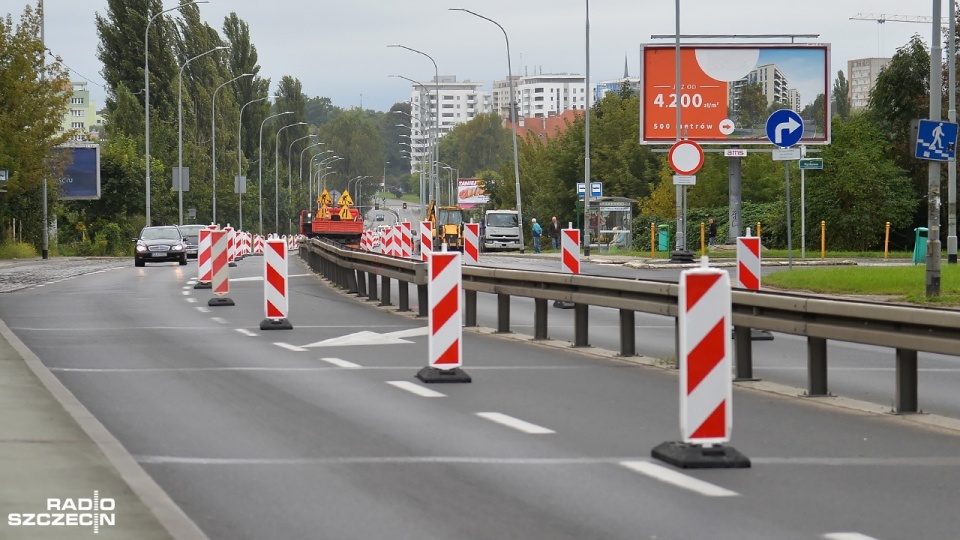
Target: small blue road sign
(784, 128)
(596, 189)
(936, 140)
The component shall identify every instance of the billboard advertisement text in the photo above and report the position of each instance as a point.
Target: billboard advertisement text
(470, 192)
(81, 177)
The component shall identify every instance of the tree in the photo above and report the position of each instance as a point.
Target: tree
(244, 59)
(753, 105)
(33, 102)
(841, 96)
(480, 144)
(354, 137)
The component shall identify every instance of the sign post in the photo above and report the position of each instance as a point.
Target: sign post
(686, 158)
(785, 128)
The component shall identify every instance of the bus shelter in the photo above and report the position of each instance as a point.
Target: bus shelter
(611, 223)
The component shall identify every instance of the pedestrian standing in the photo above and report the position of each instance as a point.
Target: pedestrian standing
(712, 234)
(554, 231)
(537, 230)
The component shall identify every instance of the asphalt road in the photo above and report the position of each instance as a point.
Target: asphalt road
(323, 432)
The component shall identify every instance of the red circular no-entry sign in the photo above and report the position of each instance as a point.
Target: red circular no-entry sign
(686, 157)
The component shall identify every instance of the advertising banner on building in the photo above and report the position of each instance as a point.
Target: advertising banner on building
(470, 192)
(81, 178)
(727, 91)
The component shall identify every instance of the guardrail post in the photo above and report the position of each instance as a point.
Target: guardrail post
(817, 366)
(423, 300)
(628, 340)
(361, 283)
(906, 382)
(581, 318)
(503, 313)
(403, 290)
(470, 308)
(351, 280)
(385, 291)
(372, 287)
(743, 345)
(539, 318)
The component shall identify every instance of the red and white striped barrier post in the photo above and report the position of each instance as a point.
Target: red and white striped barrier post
(258, 245)
(397, 233)
(471, 243)
(748, 277)
(445, 338)
(221, 279)
(276, 286)
(406, 240)
(570, 251)
(426, 240)
(231, 245)
(204, 259)
(706, 388)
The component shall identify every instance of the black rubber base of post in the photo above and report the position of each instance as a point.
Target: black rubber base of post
(681, 257)
(562, 304)
(435, 375)
(232, 265)
(275, 324)
(218, 301)
(693, 456)
(760, 335)
(203, 285)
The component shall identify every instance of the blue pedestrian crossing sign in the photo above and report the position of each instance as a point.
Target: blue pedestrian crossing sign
(936, 140)
(784, 128)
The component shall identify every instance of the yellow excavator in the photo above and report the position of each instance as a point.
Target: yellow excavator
(447, 226)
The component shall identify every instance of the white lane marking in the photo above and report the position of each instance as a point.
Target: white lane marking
(429, 460)
(254, 278)
(515, 423)
(341, 363)
(290, 347)
(410, 332)
(185, 293)
(364, 337)
(191, 300)
(220, 320)
(203, 309)
(246, 332)
(675, 478)
(847, 536)
(415, 389)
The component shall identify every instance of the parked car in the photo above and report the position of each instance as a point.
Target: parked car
(379, 217)
(191, 239)
(160, 244)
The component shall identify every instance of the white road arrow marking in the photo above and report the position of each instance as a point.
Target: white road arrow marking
(367, 337)
(790, 125)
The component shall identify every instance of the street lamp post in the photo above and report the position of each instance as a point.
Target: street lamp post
(429, 194)
(290, 173)
(436, 149)
(260, 165)
(240, 156)
(213, 138)
(310, 183)
(146, 97)
(513, 122)
(276, 176)
(180, 126)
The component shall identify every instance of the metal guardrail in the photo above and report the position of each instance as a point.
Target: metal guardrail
(906, 329)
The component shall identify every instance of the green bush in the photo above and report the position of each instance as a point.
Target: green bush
(17, 250)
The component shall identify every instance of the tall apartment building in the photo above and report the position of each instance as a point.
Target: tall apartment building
(773, 84)
(861, 77)
(540, 96)
(81, 114)
(459, 102)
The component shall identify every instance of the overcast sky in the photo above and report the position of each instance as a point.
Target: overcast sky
(338, 49)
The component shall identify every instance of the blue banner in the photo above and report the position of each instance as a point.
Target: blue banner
(81, 178)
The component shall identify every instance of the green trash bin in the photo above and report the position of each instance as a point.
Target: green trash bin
(920, 245)
(663, 237)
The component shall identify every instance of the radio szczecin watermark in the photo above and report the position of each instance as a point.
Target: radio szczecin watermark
(81, 512)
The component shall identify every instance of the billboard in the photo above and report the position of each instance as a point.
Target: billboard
(81, 178)
(728, 91)
(470, 192)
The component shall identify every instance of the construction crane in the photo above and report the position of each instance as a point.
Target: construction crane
(883, 17)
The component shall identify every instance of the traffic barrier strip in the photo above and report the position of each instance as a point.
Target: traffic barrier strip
(704, 326)
(426, 240)
(406, 240)
(231, 243)
(471, 243)
(221, 279)
(258, 245)
(570, 251)
(748, 262)
(445, 338)
(204, 256)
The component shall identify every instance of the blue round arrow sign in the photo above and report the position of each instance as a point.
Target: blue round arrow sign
(784, 128)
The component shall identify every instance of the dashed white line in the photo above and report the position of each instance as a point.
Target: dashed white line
(191, 300)
(220, 320)
(341, 363)
(187, 286)
(185, 293)
(203, 309)
(246, 332)
(847, 536)
(415, 389)
(675, 478)
(515, 423)
(289, 347)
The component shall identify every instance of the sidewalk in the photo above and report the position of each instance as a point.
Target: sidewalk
(53, 452)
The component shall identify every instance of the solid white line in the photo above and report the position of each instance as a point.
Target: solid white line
(415, 389)
(847, 536)
(203, 309)
(515, 423)
(341, 363)
(220, 320)
(246, 332)
(398, 460)
(671, 476)
(290, 347)
(191, 300)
